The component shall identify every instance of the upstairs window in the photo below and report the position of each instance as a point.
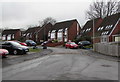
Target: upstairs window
(100, 28)
(105, 33)
(108, 27)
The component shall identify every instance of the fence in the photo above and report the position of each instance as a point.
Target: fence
(107, 49)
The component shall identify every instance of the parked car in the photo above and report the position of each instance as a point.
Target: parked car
(82, 44)
(30, 43)
(3, 53)
(14, 47)
(71, 45)
(44, 44)
(22, 43)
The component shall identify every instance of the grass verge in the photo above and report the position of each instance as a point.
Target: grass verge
(34, 50)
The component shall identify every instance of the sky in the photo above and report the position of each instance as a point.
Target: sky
(24, 13)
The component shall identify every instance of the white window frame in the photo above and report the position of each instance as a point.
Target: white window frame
(9, 37)
(60, 34)
(53, 34)
(3, 37)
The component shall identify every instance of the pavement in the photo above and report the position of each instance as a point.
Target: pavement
(64, 64)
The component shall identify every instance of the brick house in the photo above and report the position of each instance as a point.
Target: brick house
(11, 34)
(109, 29)
(30, 33)
(87, 30)
(105, 30)
(65, 31)
(42, 33)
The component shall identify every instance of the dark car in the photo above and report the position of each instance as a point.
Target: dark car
(14, 47)
(44, 44)
(71, 45)
(83, 43)
(30, 43)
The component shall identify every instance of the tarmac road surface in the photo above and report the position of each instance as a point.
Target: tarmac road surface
(63, 64)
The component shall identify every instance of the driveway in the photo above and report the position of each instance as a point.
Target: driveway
(64, 64)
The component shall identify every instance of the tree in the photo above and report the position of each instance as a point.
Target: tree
(47, 20)
(102, 9)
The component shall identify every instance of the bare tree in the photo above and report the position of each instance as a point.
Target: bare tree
(47, 20)
(102, 9)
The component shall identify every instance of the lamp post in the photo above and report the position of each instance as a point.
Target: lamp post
(93, 34)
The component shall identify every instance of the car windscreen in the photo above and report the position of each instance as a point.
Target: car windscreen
(86, 42)
(29, 41)
(15, 44)
(72, 43)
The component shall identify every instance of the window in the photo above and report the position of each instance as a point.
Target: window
(13, 36)
(104, 39)
(9, 37)
(88, 29)
(53, 34)
(109, 27)
(105, 33)
(100, 28)
(60, 35)
(3, 37)
(49, 34)
(65, 35)
(24, 34)
(28, 34)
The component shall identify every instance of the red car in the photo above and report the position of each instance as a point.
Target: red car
(71, 45)
(3, 53)
(22, 43)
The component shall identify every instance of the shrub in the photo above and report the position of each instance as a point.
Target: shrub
(55, 41)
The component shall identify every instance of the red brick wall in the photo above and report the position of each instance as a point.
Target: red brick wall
(17, 35)
(96, 40)
(72, 31)
(54, 44)
(115, 31)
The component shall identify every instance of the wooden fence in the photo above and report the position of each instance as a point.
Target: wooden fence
(107, 49)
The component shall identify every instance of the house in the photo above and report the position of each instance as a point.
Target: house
(30, 33)
(109, 29)
(41, 34)
(11, 34)
(105, 30)
(38, 34)
(65, 30)
(87, 30)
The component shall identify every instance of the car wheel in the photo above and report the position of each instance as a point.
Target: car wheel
(15, 52)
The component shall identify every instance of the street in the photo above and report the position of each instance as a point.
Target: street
(64, 64)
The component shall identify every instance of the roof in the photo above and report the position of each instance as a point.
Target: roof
(107, 25)
(48, 26)
(88, 27)
(10, 31)
(63, 24)
(32, 30)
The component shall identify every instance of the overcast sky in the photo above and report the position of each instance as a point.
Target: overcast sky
(21, 14)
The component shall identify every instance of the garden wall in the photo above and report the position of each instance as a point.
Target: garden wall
(107, 49)
(54, 44)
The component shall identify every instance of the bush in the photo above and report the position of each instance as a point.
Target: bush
(88, 47)
(55, 41)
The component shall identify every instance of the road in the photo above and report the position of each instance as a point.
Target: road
(64, 64)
